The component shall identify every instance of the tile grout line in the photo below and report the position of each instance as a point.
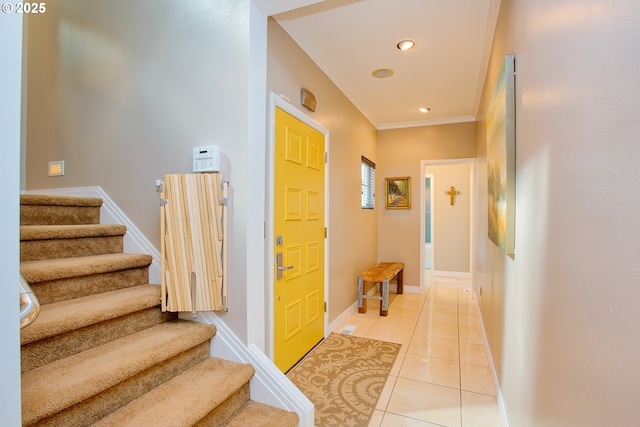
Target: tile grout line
(424, 301)
(407, 351)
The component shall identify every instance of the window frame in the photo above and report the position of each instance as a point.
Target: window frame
(368, 180)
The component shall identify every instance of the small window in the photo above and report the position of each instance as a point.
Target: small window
(368, 173)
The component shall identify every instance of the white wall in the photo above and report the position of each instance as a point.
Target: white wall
(10, 95)
(562, 315)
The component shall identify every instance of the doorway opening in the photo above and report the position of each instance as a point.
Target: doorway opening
(447, 247)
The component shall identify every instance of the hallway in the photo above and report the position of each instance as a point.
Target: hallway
(441, 376)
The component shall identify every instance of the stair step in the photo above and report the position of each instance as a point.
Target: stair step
(39, 242)
(62, 279)
(65, 316)
(45, 232)
(102, 351)
(254, 413)
(44, 270)
(39, 209)
(52, 388)
(47, 200)
(214, 385)
(69, 327)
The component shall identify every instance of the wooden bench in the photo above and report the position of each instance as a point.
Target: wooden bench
(382, 273)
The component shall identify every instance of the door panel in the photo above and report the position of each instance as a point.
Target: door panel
(299, 238)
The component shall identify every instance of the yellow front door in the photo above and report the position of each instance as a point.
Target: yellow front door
(298, 238)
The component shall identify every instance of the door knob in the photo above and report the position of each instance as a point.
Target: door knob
(279, 266)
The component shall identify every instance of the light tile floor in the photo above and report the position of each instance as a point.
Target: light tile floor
(441, 376)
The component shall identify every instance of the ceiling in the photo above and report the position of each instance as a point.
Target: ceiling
(348, 39)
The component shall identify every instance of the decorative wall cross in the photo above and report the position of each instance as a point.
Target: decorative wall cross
(453, 193)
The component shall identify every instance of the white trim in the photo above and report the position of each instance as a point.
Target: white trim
(254, 267)
(110, 213)
(338, 321)
(12, 64)
(494, 375)
(268, 385)
(423, 226)
(435, 122)
(459, 274)
(412, 289)
(279, 101)
(432, 223)
(353, 308)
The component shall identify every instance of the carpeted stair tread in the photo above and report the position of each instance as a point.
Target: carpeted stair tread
(186, 398)
(60, 317)
(258, 414)
(57, 210)
(52, 388)
(102, 350)
(38, 199)
(45, 232)
(39, 242)
(44, 270)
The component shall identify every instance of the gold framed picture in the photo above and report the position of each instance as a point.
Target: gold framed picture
(398, 192)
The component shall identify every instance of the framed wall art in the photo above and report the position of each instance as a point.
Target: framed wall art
(501, 159)
(398, 192)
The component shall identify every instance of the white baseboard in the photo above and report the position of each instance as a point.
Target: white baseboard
(393, 288)
(110, 213)
(353, 308)
(460, 274)
(411, 289)
(268, 385)
(494, 375)
(338, 321)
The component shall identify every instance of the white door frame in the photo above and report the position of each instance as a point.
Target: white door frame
(277, 101)
(423, 200)
(472, 200)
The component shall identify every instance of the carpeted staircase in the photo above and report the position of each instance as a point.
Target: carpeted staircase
(101, 351)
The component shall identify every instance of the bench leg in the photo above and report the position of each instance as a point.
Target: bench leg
(362, 301)
(400, 289)
(384, 305)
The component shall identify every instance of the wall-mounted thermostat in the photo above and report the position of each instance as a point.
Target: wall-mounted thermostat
(206, 158)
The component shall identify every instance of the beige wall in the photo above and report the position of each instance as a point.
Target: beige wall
(122, 91)
(399, 235)
(562, 315)
(451, 234)
(352, 230)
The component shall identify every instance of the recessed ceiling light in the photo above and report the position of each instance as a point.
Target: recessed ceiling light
(424, 109)
(406, 44)
(382, 73)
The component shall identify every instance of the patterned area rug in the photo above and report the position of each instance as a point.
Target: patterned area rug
(344, 377)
